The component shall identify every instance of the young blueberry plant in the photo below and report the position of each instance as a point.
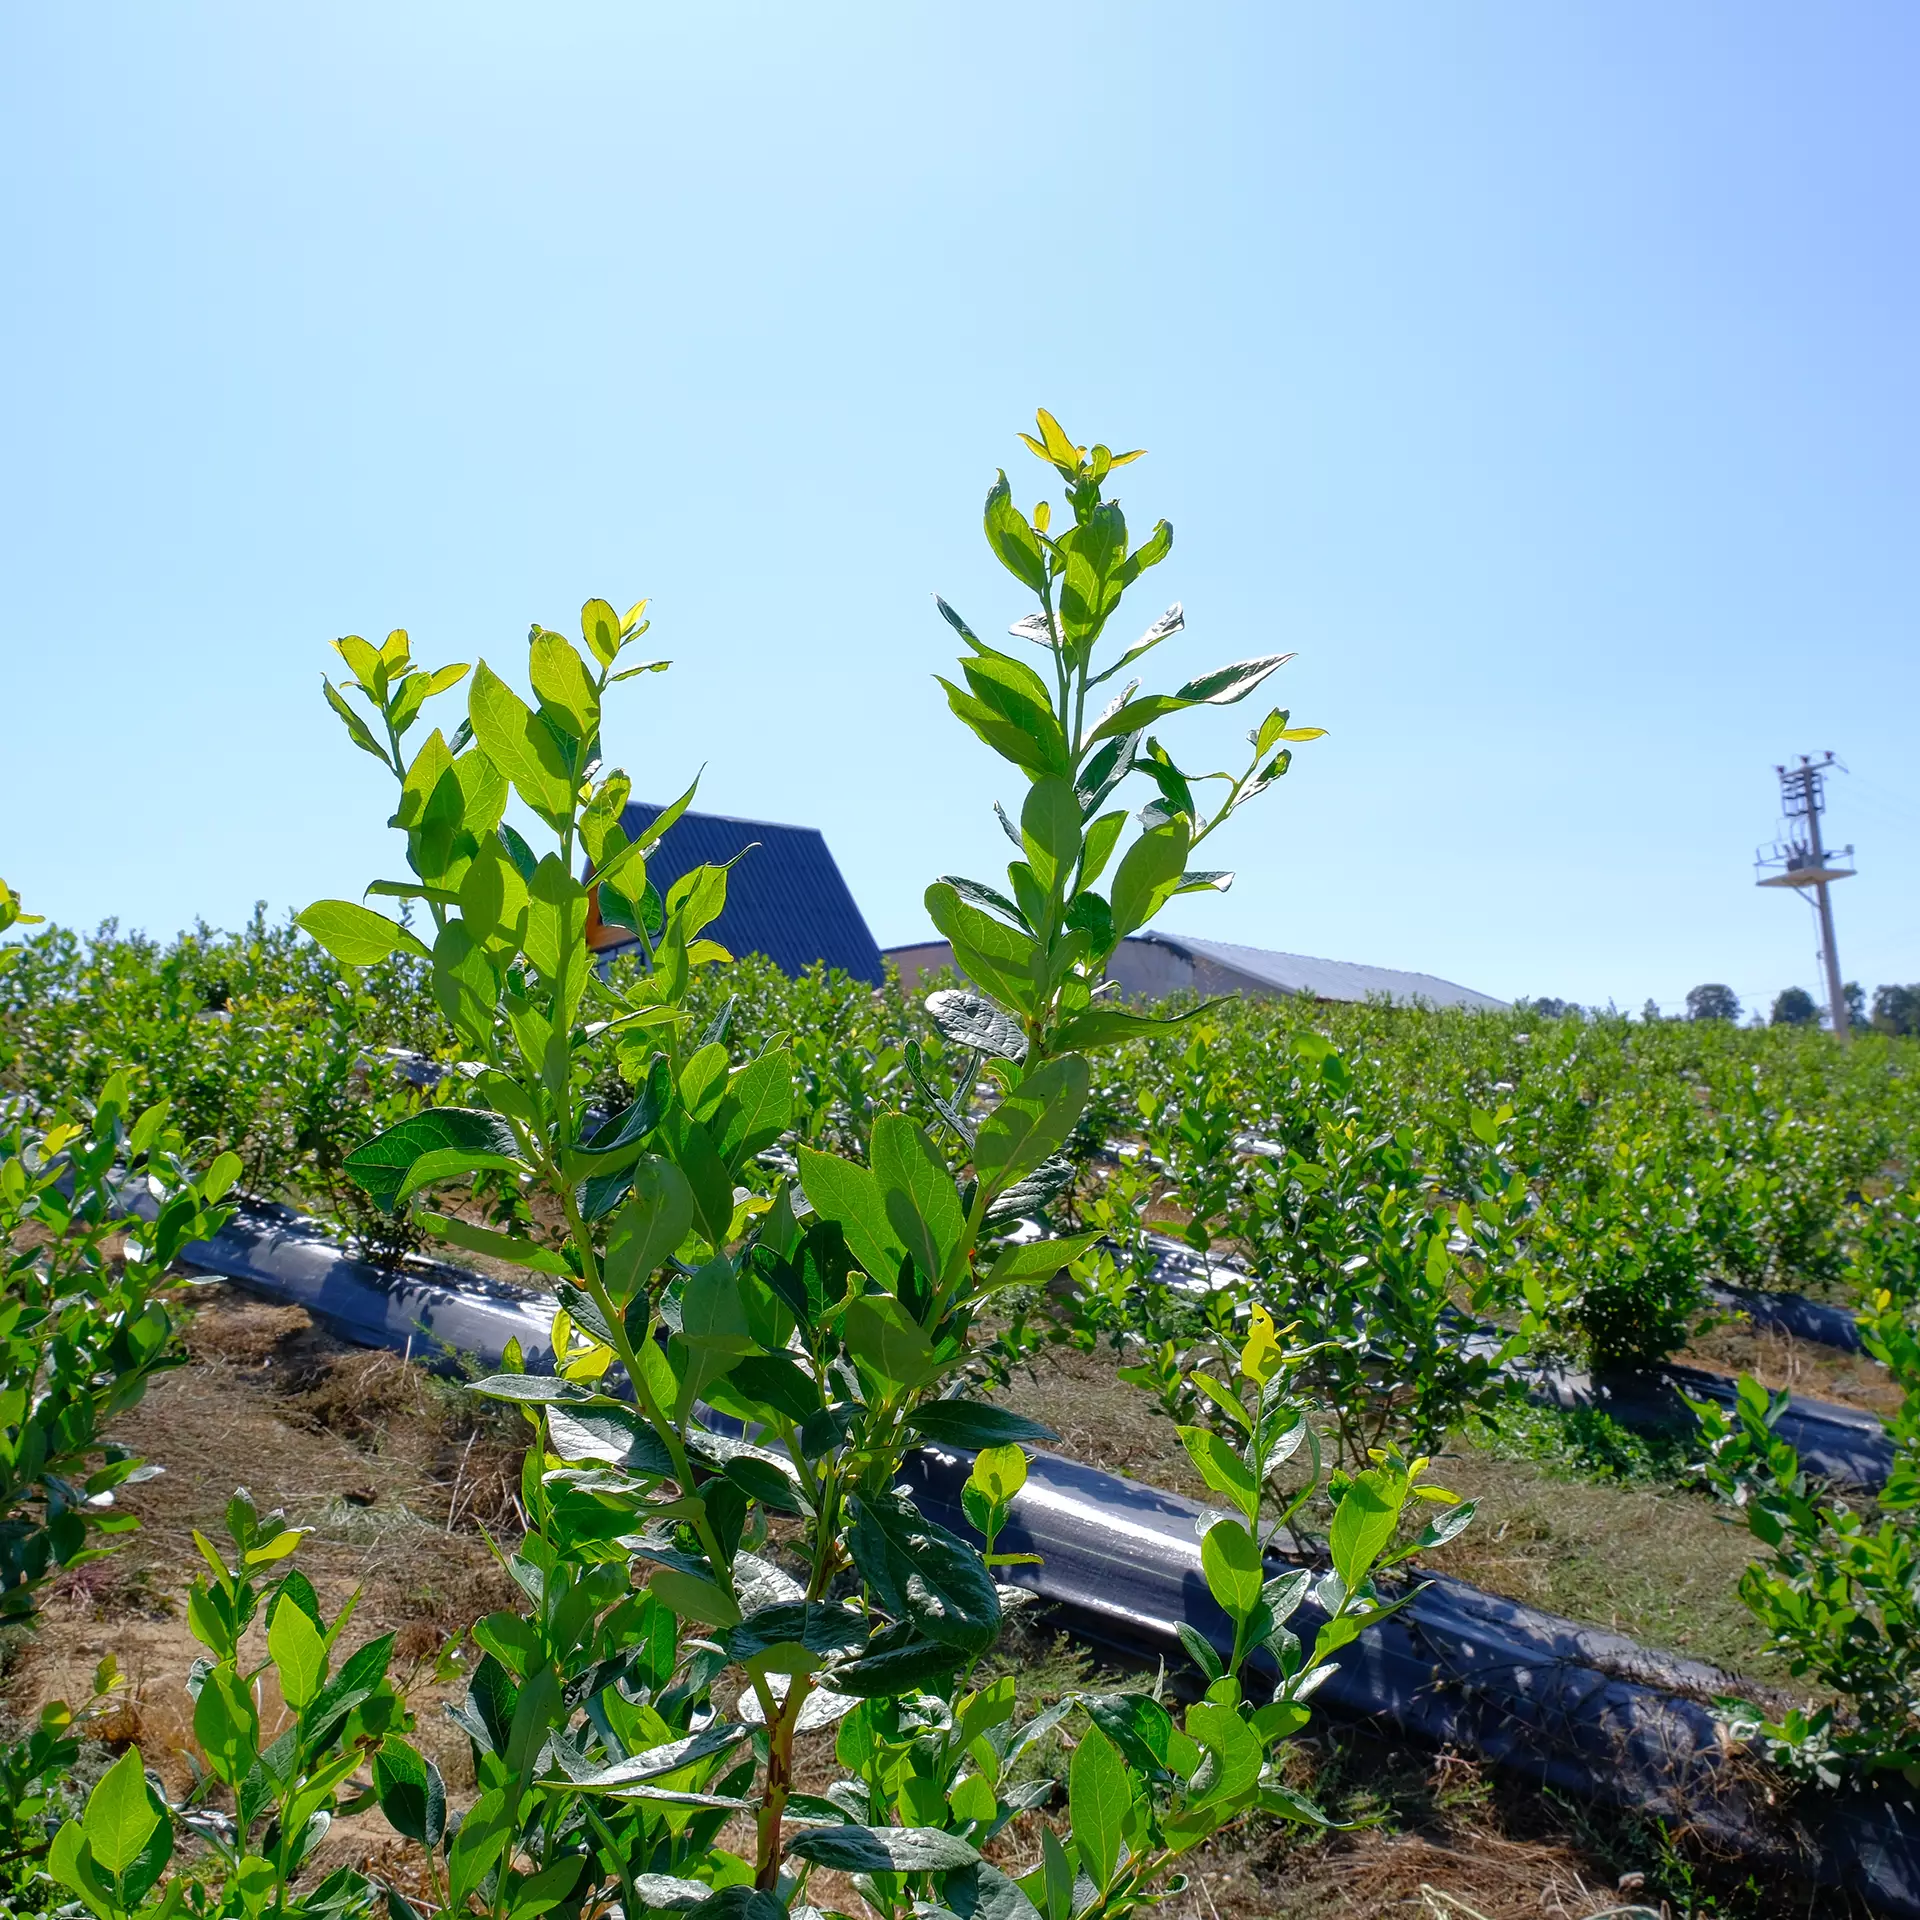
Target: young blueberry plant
(281, 1776)
(92, 1213)
(1145, 1789)
(721, 1555)
(1835, 1589)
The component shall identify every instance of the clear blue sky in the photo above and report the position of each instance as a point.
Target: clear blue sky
(1545, 375)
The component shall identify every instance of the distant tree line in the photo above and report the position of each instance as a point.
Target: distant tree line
(1895, 1009)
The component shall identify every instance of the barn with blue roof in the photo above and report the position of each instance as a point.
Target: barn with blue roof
(785, 896)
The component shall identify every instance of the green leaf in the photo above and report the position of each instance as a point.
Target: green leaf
(1101, 838)
(851, 1197)
(357, 729)
(1095, 550)
(1437, 1532)
(381, 1167)
(1144, 1732)
(1032, 1122)
(818, 1627)
(697, 899)
(1099, 1801)
(974, 1423)
(608, 1431)
(895, 1670)
(883, 1849)
(712, 1315)
(659, 1762)
(1225, 685)
(649, 1106)
(547, 1888)
(650, 835)
(1036, 749)
(563, 685)
(778, 1382)
(695, 1598)
(758, 1108)
(1053, 1882)
(648, 1229)
(969, 1021)
(1363, 1524)
(1222, 1469)
(120, 1816)
(739, 1902)
(556, 940)
(1050, 829)
(454, 1163)
(923, 1573)
(356, 936)
(881, 1333)
(1236, 1752)
(423, 805)
(540, 1390)
(418, 688)
(1149, 874)
(1233, 1567)
(499, 1246)
(995, 957)
(1036, 1261)
(601, 629)
(998, 1474)
(493, 896)
(703, 1080)
(1110, 1026)
(226, 1724)
(707, 1175)
(1221, 688)
(923, 1208)
(464, 984)
(300, 1655)
(1199, 1650)
(411, 1793)
(1013, 539)
(483, 1836)
(519, 743)
(483, 793)
(70, 1863)
(1012, 691)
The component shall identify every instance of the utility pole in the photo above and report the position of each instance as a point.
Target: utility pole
(1801, 860)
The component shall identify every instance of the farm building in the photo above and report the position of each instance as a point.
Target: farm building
(1151, 965)
(785, 897)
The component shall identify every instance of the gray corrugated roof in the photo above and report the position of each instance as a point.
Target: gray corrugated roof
(785, 899)
(1328, 979)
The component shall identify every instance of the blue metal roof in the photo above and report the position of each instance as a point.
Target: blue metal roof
(785, 898)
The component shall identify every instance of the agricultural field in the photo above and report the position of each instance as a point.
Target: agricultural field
(649, 1621)
(1792, 1159)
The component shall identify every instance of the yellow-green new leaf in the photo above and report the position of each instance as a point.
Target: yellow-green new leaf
(299, 1653)
(601, 629)
(565, 687)
(520, 744)
(356, 936)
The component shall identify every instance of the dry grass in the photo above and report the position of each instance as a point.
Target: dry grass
(1658, 1563)
(358, 1446)
(1778, 1360)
